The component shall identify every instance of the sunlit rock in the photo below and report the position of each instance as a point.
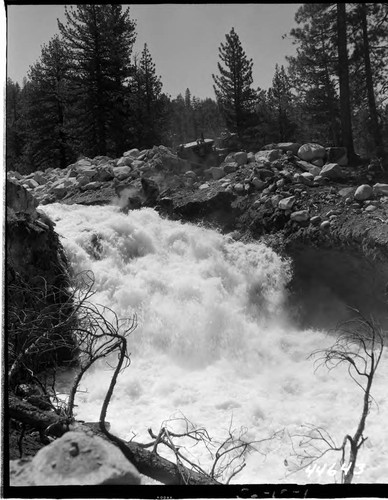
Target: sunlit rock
(75, 459)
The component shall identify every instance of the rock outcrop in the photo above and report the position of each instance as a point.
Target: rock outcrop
(37, 278)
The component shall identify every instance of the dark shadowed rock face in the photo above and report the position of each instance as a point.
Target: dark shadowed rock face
(19, 199)
(37, 278)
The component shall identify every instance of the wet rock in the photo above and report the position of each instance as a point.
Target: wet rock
(287, 203)
(332, 171)
(379, 188)
(300, 216)
(75, 459)
(337, 155)
(363, 192)
(325, 224)
(311, 151)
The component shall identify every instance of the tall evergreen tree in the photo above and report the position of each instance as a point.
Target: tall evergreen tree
(232, 87)
(14, 135)
(100, 40)
(344, 85)
(313, 73)
(280, 100)
(44, 103)
(149, 105)
(368, 66)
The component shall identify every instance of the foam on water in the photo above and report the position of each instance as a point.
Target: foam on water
(213, 341)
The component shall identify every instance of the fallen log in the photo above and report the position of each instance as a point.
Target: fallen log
(148, 463)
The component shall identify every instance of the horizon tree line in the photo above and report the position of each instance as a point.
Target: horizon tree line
(89, 94)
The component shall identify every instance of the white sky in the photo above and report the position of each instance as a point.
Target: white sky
(183, 39)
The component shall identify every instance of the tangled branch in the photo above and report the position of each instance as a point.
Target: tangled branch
(359, 345)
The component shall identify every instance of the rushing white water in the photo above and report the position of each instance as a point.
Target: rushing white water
(213, 343)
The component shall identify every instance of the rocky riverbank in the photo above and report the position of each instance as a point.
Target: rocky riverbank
(306, 201)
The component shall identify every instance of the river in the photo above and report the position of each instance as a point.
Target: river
(215, 344)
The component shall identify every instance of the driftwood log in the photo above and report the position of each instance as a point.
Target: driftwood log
(148, 463)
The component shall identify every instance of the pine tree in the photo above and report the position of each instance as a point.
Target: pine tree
(44, 102)
(233, 87)
(280, 101)
(149, 104)
(313, 73)
(14, 135)
(368, 66)
(99, 39)
(344, 85)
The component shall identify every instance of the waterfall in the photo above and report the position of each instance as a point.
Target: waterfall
(214, 342)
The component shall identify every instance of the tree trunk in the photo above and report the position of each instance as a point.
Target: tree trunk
(343, 73)
(146, 462)
(369, 85)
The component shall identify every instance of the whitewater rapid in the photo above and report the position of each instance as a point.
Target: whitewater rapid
(214, 343)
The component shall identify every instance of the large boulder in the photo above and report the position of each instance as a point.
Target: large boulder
(311, 151)
(75, 459)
